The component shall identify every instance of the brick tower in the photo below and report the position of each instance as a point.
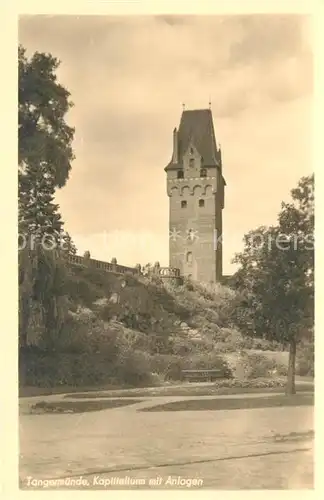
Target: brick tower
(195, 186)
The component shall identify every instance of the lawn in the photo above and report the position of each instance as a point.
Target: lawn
(188, 390)
(234, 404)
(80, 406)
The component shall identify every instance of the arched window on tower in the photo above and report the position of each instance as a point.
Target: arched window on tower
(201, 203)
(191, 162)
(203, 172)
(189, 257)
(180, 174)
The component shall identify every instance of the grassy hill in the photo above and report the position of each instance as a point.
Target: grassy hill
(136, 331)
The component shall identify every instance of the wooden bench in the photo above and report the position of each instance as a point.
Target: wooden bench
(203, 375)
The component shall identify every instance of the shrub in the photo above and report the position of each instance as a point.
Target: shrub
(258, 365)
(136, 340)
(84, 333)
(174, 370)
(159, 363)
(206, 361)
(264, 345)
(305, 359)
(133, 368)
(181, 346)
(267, 383)
(50, 369)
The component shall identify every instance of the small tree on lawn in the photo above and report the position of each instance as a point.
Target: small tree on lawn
(276, 276)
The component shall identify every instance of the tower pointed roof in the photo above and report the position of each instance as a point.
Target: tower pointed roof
(196, 128)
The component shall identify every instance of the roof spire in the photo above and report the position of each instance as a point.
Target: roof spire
(183, 106)
(209, 104)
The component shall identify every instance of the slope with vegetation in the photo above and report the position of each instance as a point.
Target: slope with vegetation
(143, 334)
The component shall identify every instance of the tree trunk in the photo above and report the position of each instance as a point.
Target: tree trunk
(291, 386)
(23, 318)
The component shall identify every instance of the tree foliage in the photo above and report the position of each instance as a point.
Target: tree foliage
(276, 275)
(44, 136)
(68, 245)
(45, 156)
(45, 143)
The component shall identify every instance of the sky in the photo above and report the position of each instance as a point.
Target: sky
(128, 78)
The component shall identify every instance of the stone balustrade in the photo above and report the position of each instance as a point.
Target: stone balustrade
(113, 267)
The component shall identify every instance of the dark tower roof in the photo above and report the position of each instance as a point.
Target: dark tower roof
(196, 127)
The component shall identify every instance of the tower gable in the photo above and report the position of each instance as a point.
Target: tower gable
(191, 161)
(196, 130)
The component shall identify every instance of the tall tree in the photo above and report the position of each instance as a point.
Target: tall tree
(45, 156)
(38, 214)
(45, 143)
(275, 276)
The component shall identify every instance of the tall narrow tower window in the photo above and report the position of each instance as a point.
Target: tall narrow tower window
(191, 162)
(190, 235)
(189, 257)
(201, 203)
(203, 172)
(183, 204)
(180, 174)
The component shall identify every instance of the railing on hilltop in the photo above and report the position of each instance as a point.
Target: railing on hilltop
(113, 267)
(169, 272)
